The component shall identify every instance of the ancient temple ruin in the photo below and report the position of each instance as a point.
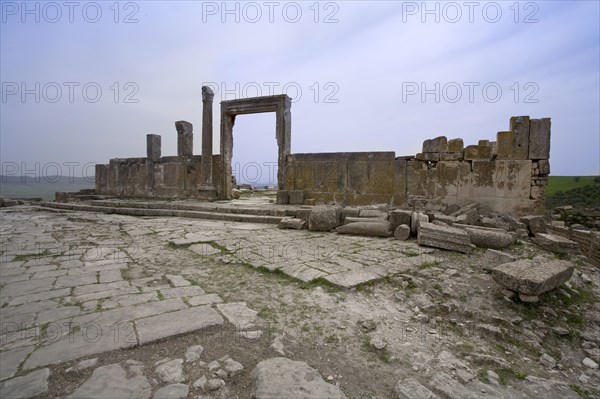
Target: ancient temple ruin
(509, 174)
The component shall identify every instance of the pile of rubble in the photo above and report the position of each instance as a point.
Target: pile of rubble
(460, 229)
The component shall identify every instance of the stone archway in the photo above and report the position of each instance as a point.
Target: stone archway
(281, 105)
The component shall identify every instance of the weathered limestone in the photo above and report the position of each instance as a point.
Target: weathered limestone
(455, 145)
(539, 138)
(449, 238)
(207, 137)
(519, 126)
(412, 389)
(26, 386)
(402, 232)
(112, 381)
(284, 378)
(375, 229)
(556, 243)
(504, 146)
(533, 276)
(185, 139)
(535, 223)
(493, 258)
(416, 219)
(438, 144)
(489, 237)
(291, 223)
(398, 217)
(478, 153)
(153, 146)
(324, 218)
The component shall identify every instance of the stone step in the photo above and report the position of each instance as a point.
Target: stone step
(200, 207)
(230, 217)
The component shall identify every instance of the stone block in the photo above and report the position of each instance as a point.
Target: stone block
(185, 139)
(416, 219)
(451, 156)
(444, 237)
(504, 145)
(555, 243)
(544, 167)
(533, 276)
(484, 143)
(283, 197)
(493, 258)
(373, 229)
(535, 223)
(438, 144)
(296, 197)
(153, 147)
(478, 153)
(398, 217)
(455, 145)
(519, 126)
(428, 156)
(539, 138)
(324, 218)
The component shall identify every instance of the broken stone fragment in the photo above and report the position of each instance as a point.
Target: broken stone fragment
(444, 237)
(402, 232)
(533, 276)
(555, 243)
(291, 223)
(493, 258)
(284, 378)
(535, 223)
(324, 218)
(373, 229)
(489, 237)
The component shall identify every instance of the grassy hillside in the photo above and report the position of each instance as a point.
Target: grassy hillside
(566, 183)
(580, 192)
(14, 187)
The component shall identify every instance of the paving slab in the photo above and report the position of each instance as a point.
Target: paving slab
(177, 281)
(179, 292)
(89, 339)
(40, 296)
(169, 324)
(27, 287)
(238, 314)
(351, 278)
(112, 381)
(11, 360)
(204, 299)
(32, 384)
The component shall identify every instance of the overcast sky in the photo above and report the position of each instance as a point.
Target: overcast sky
(84, 82)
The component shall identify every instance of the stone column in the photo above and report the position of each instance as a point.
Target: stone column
(207, 137)
(153, 155)
(185, 139)
(153, 147)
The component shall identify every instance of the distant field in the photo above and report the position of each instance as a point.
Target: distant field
(566, 183)
(11, 187)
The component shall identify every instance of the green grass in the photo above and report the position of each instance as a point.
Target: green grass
(566, 183)
(579, 192)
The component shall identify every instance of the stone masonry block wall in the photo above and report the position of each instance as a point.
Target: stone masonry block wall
(165, 177)
(509, 174)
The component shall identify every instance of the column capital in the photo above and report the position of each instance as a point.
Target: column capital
(207, 94)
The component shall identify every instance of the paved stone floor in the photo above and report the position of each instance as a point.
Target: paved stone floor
(76, 285)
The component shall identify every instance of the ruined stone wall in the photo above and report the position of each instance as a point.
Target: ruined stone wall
(165, 177)
(509, 174)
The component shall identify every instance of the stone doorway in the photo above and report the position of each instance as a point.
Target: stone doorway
(281, 105)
